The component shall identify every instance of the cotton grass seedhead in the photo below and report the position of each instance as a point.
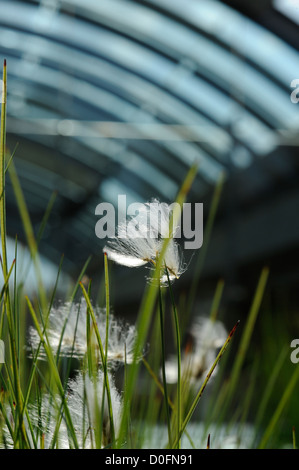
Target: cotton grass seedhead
(89, 410)
(86, 399)
(67, 334)
(47, 422)
(140, 239)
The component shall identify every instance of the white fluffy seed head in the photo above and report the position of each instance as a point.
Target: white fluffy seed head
(87, 405)
(46, 420)
(140, 240)
(67, 333)
(89, 409)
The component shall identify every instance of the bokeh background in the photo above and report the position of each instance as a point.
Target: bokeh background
(114, 97)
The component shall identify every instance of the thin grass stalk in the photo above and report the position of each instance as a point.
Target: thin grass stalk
(7, 386)
(10, 158)
(222, 401)
(54, 371)
(242, 410)
(2, 316)
(156, 380)
(6, 420)
(278, 365)
(165, 391)
(202, 388)
(151, 406)
(79, 279)
(89, 346)
(161, 388)
(294, 437)
(21, 432)
(54, 441)
(125, 387)
(60, 416)
(250, 391)
(15, 310)
(36, 356)
(2, 171)
(92, 373)
(29, 232)
(107, 295)
(105, 365)
(178, 346)
(216, 300)
(246, 336)
(278, 412)
(216, 399)
(103, 359)
(46, 217)
(6, 285)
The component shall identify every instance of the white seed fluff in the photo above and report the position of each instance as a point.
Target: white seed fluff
(67, 333)
(140, 239)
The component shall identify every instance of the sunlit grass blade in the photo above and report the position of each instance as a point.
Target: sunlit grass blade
(107, 297)
(5, 285)
(79, 279)
(10, 158)
(2, 171)
(21, 438)
(29, 232)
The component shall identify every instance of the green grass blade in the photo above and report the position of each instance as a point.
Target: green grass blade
(29, 232)
(270, 388)
(165, 391)
(246, 336)
(10, 158)
(21, 439)
(280, 407)
(178, 351)
(107, 292)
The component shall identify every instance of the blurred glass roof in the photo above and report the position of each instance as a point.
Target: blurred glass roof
(121, 97)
